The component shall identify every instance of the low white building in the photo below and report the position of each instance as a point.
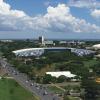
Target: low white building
(62, 42)
(60, 73)
(97, 46)
(98, 56)
(49, 42)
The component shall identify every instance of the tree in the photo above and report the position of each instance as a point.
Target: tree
(92, 89)
(54, 80)
(61, 79)
(96, 68)
(47, 79)
(38, 79)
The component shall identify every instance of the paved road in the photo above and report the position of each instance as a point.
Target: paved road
(22, 79)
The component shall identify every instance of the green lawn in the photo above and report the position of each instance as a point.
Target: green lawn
(54, 89)
(11, 90)
(90, 63)
(71, 98)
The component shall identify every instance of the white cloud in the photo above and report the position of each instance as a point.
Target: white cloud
(96, 13)
(84, 3)
(5, 9)
(57, 19)
(60, 18)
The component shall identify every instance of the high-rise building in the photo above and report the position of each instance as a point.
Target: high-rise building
(41, 39)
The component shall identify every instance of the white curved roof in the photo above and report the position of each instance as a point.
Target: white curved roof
(96, 46)
(57, 74)
(40, 51)
(28, 49)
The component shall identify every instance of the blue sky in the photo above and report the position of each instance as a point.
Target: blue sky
(51, 18)
(37, 7)
(34, 7)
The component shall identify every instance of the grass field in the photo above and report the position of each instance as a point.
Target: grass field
(54, 89)
(90, 63)
(72, 98)
(11, 90)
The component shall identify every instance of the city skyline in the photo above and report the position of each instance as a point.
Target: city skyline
(76, 19)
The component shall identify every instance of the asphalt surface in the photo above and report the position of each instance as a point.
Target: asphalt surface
(40, 90)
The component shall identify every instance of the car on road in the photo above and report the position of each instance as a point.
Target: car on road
(31, 84)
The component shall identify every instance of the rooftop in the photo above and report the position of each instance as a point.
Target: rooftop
(65, 73)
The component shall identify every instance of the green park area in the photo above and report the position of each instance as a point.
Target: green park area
(55, 89)
(71, 98)
(11, 90)
(90, 63)
(86, 68)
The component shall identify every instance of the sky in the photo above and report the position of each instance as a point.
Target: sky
(61, 19)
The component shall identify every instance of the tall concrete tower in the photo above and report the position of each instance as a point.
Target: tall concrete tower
(41, 39)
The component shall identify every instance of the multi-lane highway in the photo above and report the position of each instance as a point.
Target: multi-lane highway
(40, 90)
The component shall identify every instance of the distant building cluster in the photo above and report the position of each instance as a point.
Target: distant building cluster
(6, 41)
(72, 42)
(44, 42)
